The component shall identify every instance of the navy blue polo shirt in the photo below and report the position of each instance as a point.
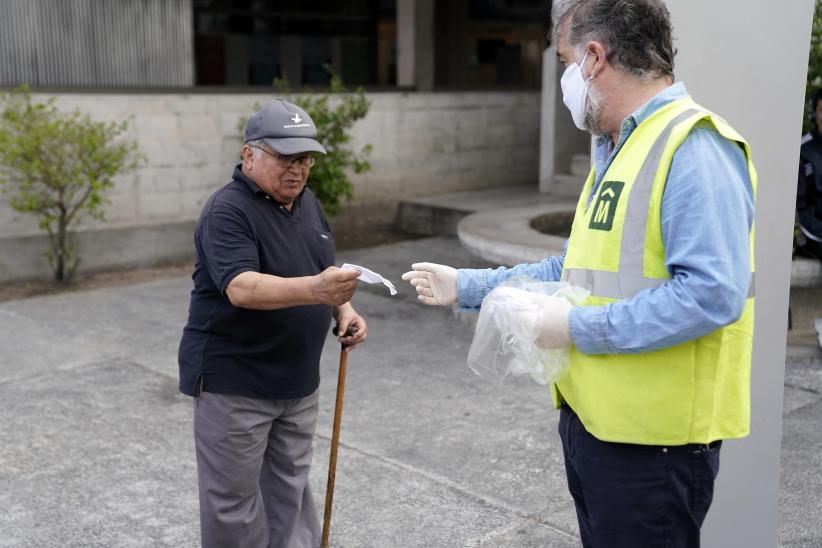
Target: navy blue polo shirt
(259, 353)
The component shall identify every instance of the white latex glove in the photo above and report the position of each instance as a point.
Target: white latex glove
(552, 322)
(436, 283)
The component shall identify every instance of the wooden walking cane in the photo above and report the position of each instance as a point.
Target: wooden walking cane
(335, 442)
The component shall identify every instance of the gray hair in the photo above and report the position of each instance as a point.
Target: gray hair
(256, 147)
(637, 34)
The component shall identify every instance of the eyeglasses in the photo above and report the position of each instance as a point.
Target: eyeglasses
(288, 160)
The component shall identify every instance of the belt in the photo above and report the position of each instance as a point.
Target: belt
(690, 447)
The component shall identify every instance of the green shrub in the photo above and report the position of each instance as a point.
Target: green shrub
(59, 166)
(329, 177)
(814, 81)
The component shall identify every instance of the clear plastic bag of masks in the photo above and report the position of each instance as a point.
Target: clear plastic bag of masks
(505, 337)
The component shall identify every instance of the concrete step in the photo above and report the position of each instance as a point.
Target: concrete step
(428, 219)
(581, 165)
(566, 184)
(439, 215)
(805, 272)
(506, 236)
(494, 224)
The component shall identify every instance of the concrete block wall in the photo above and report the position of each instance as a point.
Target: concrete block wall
(424, 144)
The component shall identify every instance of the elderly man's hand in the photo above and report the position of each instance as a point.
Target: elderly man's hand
(436, 283)
(351, 328)
(334, 286)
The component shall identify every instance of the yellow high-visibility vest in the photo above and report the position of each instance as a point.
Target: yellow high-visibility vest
(694, 392)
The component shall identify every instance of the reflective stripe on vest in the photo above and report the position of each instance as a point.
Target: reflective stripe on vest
(629, 280)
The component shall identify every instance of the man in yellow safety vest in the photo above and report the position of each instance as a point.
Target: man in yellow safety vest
(663, 240)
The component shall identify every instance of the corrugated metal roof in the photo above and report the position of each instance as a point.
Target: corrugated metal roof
(97, 43)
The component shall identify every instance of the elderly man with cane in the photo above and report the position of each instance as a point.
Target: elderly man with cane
(660, 352)
(265, 292)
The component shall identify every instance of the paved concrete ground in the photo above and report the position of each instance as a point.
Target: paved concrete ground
(97, 451)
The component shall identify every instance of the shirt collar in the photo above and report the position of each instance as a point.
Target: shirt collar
(257, 191)
(240, 176)
(666, 96)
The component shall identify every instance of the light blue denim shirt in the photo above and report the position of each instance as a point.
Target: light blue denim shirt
(707, 213)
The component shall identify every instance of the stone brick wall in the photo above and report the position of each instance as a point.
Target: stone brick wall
(424, 144)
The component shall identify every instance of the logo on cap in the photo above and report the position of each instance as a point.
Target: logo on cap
(296, 119)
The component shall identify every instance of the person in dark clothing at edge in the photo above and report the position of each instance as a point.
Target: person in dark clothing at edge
(809, 188)
(265, 291)
(807, 239)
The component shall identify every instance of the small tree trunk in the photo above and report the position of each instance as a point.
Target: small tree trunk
(60, 250)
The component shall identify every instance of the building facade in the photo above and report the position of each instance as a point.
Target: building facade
(453, 86)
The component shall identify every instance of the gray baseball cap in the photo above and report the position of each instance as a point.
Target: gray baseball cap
(285, 127)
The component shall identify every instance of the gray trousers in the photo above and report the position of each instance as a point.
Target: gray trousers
(253, 458)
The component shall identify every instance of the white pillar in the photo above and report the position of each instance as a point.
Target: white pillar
(291, 59)
(747, 60)
(405, 43)
(548, 112)
(415, 44)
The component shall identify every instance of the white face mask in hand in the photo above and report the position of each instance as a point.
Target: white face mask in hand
(575, 91)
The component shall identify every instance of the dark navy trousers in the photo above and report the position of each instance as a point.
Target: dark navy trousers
(637, 496)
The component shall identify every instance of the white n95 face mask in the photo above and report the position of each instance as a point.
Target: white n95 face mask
(575, 91)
